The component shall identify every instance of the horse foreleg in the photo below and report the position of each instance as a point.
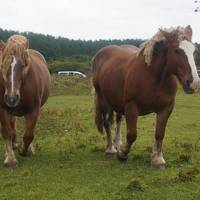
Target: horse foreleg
(6, 130)
(157, 159)
(14, 134)
(131, 114)
(117, 139)
(31, 120)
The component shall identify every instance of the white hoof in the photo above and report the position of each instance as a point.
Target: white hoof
(111, 150)
(10, 163)
(157, 161)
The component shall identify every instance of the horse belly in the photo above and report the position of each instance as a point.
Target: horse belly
(112, 92)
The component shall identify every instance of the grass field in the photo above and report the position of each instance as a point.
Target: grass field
(70, 163)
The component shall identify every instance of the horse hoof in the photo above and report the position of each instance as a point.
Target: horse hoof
(159, 166)
(28, 152)
(25, 153)
(122, 156)
(111, 151)
(12, 164)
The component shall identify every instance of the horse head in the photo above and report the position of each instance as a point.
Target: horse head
(181, 58)
(178, 50)
(14, 65)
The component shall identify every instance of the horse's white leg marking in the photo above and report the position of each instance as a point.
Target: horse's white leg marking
(157, 159)
(107, 116)
(110, 147)
(189, 49)
(30, 150)
(117, 140)
(9, 155)
(12, 74)
(111, 150)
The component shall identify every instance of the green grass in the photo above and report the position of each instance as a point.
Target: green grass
(70, 163)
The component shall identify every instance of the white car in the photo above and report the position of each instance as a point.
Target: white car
(72, 73)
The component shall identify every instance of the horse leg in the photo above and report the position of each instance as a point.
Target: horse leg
(31, 120)
(110, 150)
(6, 130)
(131, 114)
(14, 134)
(157, 159)
(104, 117)
(117, 139)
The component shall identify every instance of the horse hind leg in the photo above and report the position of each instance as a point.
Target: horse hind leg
(117, 139)
(103, 119)
(108, 119)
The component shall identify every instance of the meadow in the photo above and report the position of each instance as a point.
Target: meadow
(70, 163)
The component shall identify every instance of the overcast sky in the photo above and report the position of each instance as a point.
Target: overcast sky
(99, 19)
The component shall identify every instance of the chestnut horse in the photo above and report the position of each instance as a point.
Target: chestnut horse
(135, 81)
(24, 88)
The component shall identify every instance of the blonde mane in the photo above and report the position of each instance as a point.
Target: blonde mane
(16, 45)
(147, 47)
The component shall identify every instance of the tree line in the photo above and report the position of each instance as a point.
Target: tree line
(54, 48)
(59, 47)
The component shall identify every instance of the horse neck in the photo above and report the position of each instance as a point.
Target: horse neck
(160, 67)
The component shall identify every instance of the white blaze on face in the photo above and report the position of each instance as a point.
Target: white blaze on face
(14, 62)
(189, 49)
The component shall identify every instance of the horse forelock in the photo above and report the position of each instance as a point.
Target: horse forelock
(16, 46)
(20, 40)
(177, 34)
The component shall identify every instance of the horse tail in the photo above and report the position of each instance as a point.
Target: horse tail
(103, 113)
(98, 114)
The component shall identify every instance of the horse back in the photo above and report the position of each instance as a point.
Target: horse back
(39, 75)
(112, 57)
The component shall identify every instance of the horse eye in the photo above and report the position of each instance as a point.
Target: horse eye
(178, 51)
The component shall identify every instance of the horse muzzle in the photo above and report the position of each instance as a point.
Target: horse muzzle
(187, 87)
(195, 85)
(11, 100)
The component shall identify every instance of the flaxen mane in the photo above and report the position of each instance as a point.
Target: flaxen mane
(148, 46)
(15, 45)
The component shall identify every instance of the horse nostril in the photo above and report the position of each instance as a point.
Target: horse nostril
(16, 97)
(187, 82)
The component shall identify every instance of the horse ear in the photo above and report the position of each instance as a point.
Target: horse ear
(2, 45)
(188, 32)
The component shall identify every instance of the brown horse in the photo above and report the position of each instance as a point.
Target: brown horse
(24, 88)
(136, 81)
